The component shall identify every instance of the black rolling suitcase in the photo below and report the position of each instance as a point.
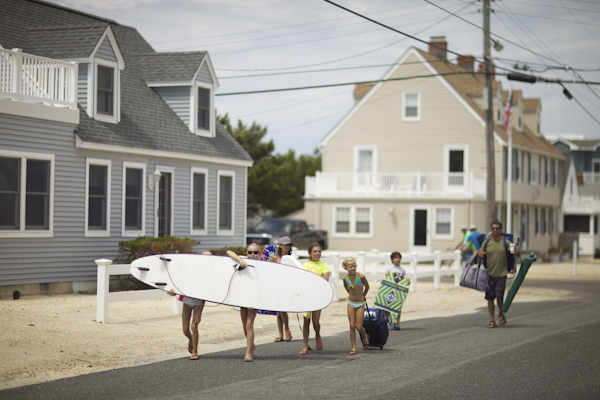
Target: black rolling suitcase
(376, 326)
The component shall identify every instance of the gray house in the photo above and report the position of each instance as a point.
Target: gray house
(102, 139)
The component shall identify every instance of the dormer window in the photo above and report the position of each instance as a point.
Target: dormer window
(105, 91)
(203, 109)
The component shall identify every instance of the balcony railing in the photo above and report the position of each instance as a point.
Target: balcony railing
(591, 177)
(25, 77)
(582, 205)
(465, 185)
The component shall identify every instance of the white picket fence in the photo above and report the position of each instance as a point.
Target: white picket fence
(105, 270)
(373, 264)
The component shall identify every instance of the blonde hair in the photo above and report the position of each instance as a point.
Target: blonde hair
(346, 260)
(254, 245)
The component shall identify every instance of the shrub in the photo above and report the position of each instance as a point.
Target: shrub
(146, 246)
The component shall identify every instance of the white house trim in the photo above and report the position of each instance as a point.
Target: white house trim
(198, 232)
(108, 164)
(142, 231)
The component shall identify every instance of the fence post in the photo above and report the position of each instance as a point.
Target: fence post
(437, 264)
(361, 262)
(457, 266)
(336, 276)
(102, 290)
(17, 67)
(575, 254)
(413, 267)
(375, 264)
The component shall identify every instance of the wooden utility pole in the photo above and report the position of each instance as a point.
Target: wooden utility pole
(489, 117)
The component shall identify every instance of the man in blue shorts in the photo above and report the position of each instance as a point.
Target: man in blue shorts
(497, 265)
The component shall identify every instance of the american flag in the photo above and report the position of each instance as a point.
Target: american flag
(507, 120)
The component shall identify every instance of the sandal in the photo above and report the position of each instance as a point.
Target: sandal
(303, 352)
(194, 358)
(278, 339)
(352, 352)
(502, 319)
(248, 359)
(288, 336)
(320, 344)
(492, 324)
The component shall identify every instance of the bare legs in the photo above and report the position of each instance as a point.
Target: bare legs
(315, 316)
(283, 321)
(356, 318)
(190, 317)
(248, 315)
(491, 310)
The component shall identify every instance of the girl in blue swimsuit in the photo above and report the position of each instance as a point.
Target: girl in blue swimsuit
(357, 287)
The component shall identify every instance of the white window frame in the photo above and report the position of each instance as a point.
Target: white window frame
(437, 235)
(105, 163)
(196, 170)
(357, 150)
(23, 232)
(411, 118)
(194, 111)
(140, 232)
(116, 90)
(226, 232)
(353, 221)
(535, 170)
(499, 110)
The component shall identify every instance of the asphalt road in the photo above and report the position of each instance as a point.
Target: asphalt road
(548, 350)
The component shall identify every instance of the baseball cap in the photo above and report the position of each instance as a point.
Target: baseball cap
(285, 240)
(463, 228)
(473, 227)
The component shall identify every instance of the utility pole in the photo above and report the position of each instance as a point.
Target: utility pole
(489, 117)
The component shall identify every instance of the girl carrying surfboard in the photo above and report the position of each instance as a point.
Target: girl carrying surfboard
(316, 266)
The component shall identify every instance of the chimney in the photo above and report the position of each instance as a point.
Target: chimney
(467, 62)
(360, 90)
(438, 47)
(482, 69)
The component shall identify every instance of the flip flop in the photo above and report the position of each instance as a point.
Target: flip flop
(352, 352)
(194, 358)
(248, 359)
(190, 348)
(492, 324)
(288, 337)
(320, 344)
(303, 352)
(278, 339)
(502, 319)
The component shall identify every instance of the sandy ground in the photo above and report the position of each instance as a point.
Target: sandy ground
(50, 337)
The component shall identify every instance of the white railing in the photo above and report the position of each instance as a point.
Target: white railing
(582, 204)
(374, 264)
(105, 270)
(25, 77)
(591, 177)
(418, 184)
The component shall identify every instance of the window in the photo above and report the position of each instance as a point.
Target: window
(535, 171)
(412, 107)
(553, 173)
(105, 90)
(97, 202)
(543, 220)
(516, 166)
(203, 108)
(225, 192)
(546, 173)
(26, 194)
(456, 164)
(443, 222)
(529, 168)
(134, 199)
(356, 221)
(199, 200)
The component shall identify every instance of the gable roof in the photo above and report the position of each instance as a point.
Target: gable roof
(147, 122)
(472, 84)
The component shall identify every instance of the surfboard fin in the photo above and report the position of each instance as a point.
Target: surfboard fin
(160, 283)
(143, 269)
(164, 258)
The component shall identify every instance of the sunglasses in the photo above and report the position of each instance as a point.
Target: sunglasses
(496, 228)
(253, 252)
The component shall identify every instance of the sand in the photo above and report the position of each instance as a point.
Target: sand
(51, 337)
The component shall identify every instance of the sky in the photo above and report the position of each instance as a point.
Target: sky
(275, 44)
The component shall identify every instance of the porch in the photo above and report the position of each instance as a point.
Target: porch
(396, 185)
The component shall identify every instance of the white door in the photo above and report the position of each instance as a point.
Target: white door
(420, 238)
(364, 168)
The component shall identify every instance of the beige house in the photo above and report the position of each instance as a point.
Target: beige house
(406, 167)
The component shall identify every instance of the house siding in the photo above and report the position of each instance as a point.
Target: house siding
(178, 98)
(82, 85)
(68, 255)
(204, 74)
(106, 51)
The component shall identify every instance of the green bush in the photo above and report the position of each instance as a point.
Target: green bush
(146, 246)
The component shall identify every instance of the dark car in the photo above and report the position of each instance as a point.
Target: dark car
(268, 231)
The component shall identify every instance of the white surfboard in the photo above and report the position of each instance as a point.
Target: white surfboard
(262, 285)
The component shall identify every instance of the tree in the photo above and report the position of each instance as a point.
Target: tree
(275, 182)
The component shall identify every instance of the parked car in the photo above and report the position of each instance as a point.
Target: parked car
(268, 231)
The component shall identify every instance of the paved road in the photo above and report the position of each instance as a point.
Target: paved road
(546, 351)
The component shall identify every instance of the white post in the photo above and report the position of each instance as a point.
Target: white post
(457, 265)
(375, 264)
(17, 67)
(413, 267)
(361, 262)
(102, 290)
(437, 264)
(335, 269)
(575, 253)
